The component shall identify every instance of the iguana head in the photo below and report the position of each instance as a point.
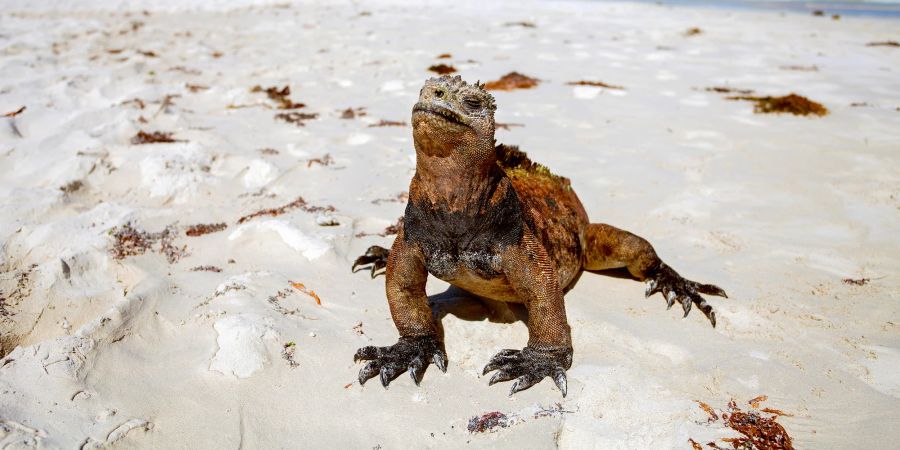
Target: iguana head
(454, 119)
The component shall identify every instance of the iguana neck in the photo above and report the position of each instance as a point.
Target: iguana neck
(455, 180)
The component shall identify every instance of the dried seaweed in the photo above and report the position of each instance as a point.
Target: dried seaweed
(709, 410)
(287, 352)
(511, 81)
(402, 197)
(325, 160)
(280, 96)
(12, 120)
(693, 31)
(296, 118)
(165, 103)
(302, 288)
(856, 281)
(812, 68)
(759, 432)
(444, 56)
(205, 228)
(595, 84)
(15, 113)
(755, 401)
(388, 123)
(883, 44)
(268, 151)
(185, 70)
(72, 187)
(523, 24)
(298, 203)
(153, 137)
(131, 241)
(196, 87)
(442, 69)
(138, 103)
(729, 90)
(206, 269)
(556, 411)
(352, 113)
(488, 422)
(275, 300)
(390, 230)
(21, 291)
(791, 103)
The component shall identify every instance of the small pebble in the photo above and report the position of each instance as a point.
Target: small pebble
(325, 220)
(312, 334)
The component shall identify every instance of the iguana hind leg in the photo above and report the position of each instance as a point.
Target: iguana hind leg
(607, 247)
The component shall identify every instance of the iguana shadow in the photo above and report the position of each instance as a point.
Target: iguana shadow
(464, 305)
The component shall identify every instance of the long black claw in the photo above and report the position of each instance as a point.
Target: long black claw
(559, 377)
(440, 360)
(685, 304)
(652, 288)
(524, 382)
(417, 369)
(500, 376)
(670, 298)
(365, 353)
(501, 358)
(368, 371)
(490, 367)
(389, 372)
(379, 264)
(711, 289)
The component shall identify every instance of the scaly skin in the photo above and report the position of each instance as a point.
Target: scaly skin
(486, 219)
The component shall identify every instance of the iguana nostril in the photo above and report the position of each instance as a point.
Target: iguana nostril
(438, 93)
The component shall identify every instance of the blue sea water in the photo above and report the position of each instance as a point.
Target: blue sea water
(888, 9)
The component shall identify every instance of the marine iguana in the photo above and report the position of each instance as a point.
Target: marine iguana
(485, 218)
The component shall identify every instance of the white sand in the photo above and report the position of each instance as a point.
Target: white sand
(143, 353)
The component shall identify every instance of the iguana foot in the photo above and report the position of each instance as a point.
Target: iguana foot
(376, 256)
(687, 292)
(409, 354)
(530, 366)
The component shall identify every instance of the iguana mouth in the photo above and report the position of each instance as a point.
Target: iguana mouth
(442, 112)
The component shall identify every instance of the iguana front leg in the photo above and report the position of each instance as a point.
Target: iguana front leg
(419, 343)
(531, 274)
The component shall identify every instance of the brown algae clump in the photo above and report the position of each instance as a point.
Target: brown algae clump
(442, 69)
(511, 81)
(791, 103)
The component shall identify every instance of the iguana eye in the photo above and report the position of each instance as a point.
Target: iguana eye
(472, 102)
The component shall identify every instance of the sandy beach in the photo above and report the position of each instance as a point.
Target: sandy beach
(187, 186)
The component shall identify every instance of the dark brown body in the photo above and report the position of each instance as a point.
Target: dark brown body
(546, 204)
